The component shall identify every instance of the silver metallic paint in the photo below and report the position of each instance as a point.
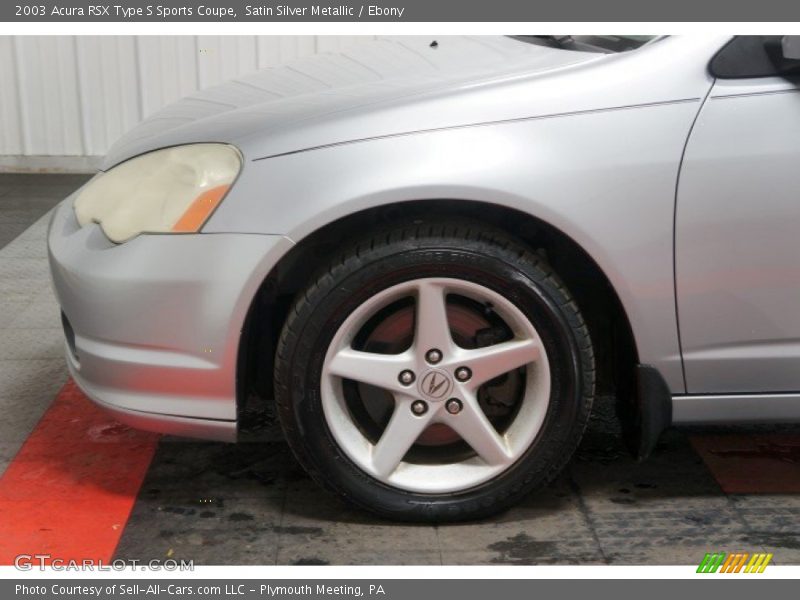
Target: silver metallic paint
(591, 144)
(737, 243)
(157, 319)
(736, 408)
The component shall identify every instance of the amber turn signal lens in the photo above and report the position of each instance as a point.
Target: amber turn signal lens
(199, 210)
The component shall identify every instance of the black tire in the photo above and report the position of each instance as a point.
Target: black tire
(464, 250)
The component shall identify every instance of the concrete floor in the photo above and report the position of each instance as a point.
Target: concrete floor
(250, 503)
(32, 367)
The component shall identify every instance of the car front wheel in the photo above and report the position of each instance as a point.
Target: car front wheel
(435, 372)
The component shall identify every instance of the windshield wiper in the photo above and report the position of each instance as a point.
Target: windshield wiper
(552, 41)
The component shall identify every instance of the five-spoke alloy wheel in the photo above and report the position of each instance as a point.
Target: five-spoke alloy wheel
(435, 381)
(435, 373)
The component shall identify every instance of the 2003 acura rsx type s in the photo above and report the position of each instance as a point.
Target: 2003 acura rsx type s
(433, 256)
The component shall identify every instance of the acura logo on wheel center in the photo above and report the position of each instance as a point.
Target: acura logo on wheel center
(435, 384)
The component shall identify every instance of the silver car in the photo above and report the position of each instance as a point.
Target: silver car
(432, 255)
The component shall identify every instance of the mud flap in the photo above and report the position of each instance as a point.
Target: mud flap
(647, 413)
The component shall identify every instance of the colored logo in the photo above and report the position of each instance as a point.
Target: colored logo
(737, 562)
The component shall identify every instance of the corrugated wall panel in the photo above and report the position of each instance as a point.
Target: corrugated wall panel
(48, 95)
(74, 95)
(333, 43)
(108, 83)
(277, 49)
(10, 119)
(167, 69)
(221, 58)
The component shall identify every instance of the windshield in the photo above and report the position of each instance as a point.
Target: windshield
(589, 43)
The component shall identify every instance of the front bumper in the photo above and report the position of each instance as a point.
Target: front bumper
(155, 322)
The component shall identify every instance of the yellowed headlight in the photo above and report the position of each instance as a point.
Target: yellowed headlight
(173, 190)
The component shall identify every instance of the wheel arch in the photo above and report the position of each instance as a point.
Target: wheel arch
(609, 324)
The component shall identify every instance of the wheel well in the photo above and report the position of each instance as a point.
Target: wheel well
(615, 348)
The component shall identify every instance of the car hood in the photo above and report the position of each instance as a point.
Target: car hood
(384, 87)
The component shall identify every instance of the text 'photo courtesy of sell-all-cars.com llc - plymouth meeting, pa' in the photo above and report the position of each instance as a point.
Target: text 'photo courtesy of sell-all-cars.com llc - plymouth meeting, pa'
(434, 266)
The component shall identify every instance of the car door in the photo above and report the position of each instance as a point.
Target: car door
(737, 226)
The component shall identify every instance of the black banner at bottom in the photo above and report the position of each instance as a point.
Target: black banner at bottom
(733, 588)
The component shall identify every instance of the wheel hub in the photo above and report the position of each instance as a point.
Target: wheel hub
(435, 385)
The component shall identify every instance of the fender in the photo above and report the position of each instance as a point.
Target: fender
(590, 175)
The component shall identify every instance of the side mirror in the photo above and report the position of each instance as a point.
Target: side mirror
(790, 47)
(784, 53)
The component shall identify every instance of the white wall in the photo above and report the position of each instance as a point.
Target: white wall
(72, 96)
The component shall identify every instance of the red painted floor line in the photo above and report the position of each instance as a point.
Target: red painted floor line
(752, 463)
(70, 489)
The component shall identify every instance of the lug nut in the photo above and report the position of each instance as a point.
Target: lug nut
(453, 406)
(406, 377)
(433, 356)
(418, 407)
(463, 374)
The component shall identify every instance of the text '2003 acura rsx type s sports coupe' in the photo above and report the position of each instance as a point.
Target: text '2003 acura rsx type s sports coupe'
(433, 257)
